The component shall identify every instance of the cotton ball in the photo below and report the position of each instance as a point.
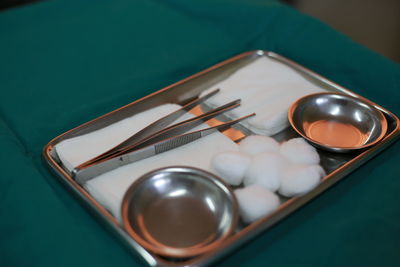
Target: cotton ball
(255, 144)
(231, 166)
(298, 150)
(299, 179)
(266, 170)
(255, 202)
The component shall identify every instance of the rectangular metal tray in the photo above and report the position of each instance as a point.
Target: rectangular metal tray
(336, 165)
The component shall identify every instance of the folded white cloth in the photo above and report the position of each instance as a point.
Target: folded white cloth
(72, 152)
(109, 188)
(266, 87)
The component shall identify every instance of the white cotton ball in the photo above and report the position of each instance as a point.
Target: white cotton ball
(255, 202)
(299, 151)
(266, 170)
(299, 179)
(231, 166)
(255, 144)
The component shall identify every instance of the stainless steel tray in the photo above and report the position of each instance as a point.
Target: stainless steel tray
(337, 166)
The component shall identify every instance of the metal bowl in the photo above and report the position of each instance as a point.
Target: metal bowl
(337, 122)
(179, 211)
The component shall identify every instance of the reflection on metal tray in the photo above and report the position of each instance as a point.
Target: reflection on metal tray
(336, 165)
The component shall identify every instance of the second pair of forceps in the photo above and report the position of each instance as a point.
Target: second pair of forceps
(156, 138)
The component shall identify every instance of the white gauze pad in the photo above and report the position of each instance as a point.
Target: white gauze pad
(231, 166)
(255, 202)
(266, 170)
(298, 150)
(266, 87)
(299, 179)
(255, 144)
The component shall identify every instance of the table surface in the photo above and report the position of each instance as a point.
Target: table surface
(66, 62)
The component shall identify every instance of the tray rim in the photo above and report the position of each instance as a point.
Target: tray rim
(251, 230)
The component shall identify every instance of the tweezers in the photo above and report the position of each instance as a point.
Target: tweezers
(156, 138)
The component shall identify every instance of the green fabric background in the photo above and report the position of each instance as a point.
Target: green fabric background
(63, 63)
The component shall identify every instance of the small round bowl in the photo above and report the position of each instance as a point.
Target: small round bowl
(337, 122)
(179, 211)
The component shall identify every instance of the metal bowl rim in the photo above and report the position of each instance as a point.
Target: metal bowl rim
(180, 252)
(366, 102)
